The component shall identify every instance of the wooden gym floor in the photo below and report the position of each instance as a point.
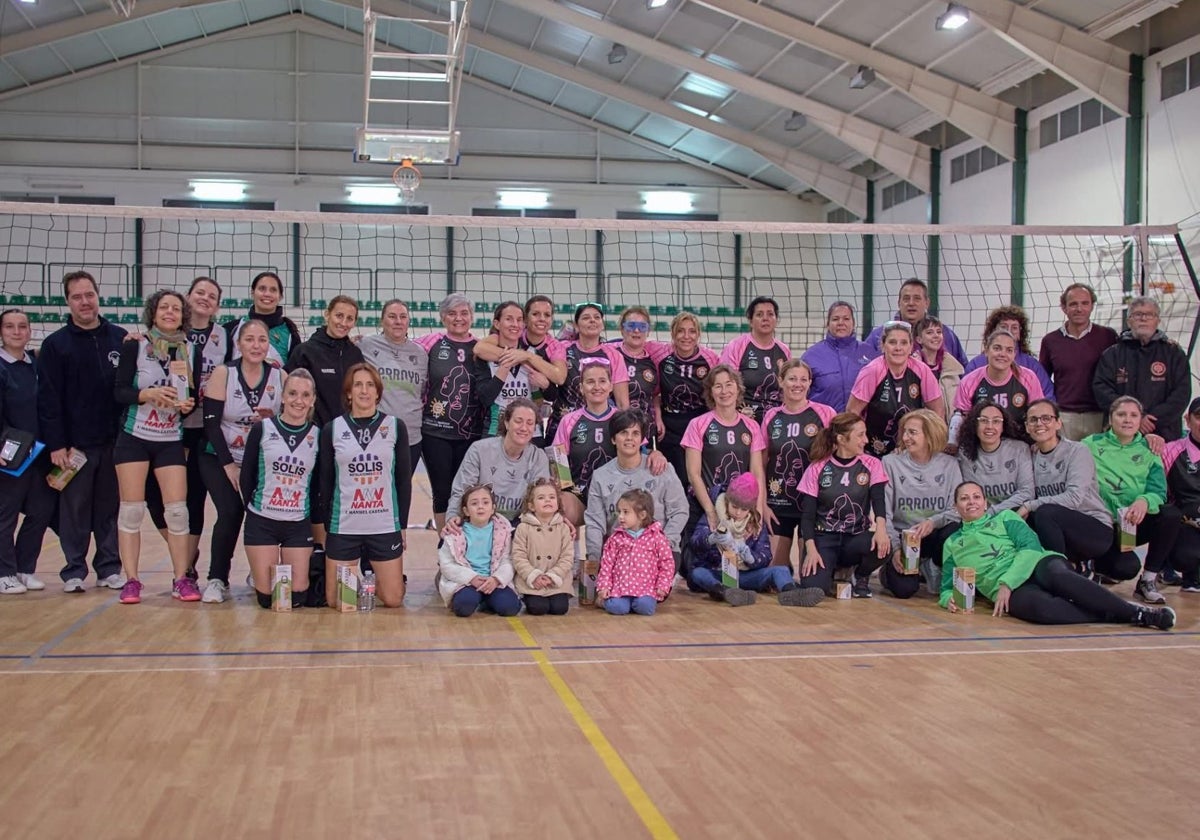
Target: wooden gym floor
(880, 719)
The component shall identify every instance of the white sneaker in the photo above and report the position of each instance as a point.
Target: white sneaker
(215, 592)
(115, 581)
(9, 585)
(31, 583)
(73, 585)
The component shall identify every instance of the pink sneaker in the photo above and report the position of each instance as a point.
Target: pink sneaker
(131, 592)
(185, 589)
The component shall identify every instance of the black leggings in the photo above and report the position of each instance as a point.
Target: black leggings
(906, 586)
(1056, 594)
(841, 551)
(230, 512)
(1187, 552)
(1079, 537)
(547, 604)
(1160, 530)
(443, 457)
(193, 442)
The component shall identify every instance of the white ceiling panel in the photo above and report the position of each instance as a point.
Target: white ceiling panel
(493, 68)
(866, 21)
(808, 10)
(577, 100)
(893, 110)
(1079, 14)
(217, 16)
(84, 51)
(827, 147)
(509, 22)
(129, 38)
(537, 84)
(661, 130)
(619, 115)
(35, 65)
(563, 41)
(982, 60)
(747, 111)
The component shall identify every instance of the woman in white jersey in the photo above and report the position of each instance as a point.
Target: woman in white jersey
(365, 485)
(276, 479)
(151, 437)
(239, 395)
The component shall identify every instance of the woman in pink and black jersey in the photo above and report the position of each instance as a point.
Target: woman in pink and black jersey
(588, 344)
(585, 435)
(842, 497)
(890, 386)
(1001, 381)
(683, 365)
(757, 356)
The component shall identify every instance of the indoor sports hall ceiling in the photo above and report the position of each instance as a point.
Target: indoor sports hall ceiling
(759, 92)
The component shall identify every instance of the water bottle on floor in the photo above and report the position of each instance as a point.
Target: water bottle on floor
(366, 593)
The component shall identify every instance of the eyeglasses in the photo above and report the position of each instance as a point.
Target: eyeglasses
(589, 361)
(636, 326)
(1040, 419)
(1142, 314)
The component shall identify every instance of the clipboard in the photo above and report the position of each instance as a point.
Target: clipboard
(34, 451)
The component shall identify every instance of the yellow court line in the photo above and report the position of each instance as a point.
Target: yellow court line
(651, 817)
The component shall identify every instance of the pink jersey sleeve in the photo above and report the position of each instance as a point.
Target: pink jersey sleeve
(693, 436)
(930, 388)
(766, 421)
(966, 387)
(658, 350)
(620, 371)
(427, 341)
(808, 481)
(733, 352)
(709, 355)
(825, 412)
(787, 351)
(875, 467)
(758, 441)
(1175, 448)
(1031, 383)
(868, 379)
(563, 433)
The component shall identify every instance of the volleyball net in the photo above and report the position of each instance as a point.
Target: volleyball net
(710, 268)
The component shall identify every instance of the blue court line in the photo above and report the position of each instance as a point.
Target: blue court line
(662, 645)
(44, 649)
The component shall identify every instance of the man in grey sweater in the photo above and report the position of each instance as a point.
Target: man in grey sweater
(630, 470)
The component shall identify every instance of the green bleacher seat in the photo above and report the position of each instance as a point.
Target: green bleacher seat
(564, 308)
(112, 317)
(134, 301)
(732, 327)
(427, 306)
(480, 306)
(58, 300)
(713, 327)
(318, 305)
(427, 323)
(246, 303)
(662, 326)
(17, 300)
(483, 323)
(35, 317)
(611, 325)
(3, 300)
(727, 312)
(315, 320)
(373, 305)
(659, 311)
(229, 303)
(707, 312)
(37, 300)
(370, 321)
(112, 301)
(130, 318)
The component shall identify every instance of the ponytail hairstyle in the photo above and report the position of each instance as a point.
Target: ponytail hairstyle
(826, 441)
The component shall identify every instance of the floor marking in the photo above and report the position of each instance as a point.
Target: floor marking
(651, 817)
(49, 645)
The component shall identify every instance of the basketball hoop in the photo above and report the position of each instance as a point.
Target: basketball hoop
(407, 177)
(1163, 287)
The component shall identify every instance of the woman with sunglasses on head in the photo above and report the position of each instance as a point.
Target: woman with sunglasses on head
(1133, 486)
(1000, 382)
(1066, 511)
(266, 289)
(27, 493)
(1023, 579)
(588, 344)
(365, 485)
(681, 374)
(403, 365)
(538, 358)
(890, 386)
(990, 454)
(836, 359)
(757, 355)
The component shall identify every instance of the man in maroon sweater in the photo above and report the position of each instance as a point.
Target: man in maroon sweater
(1069, 355)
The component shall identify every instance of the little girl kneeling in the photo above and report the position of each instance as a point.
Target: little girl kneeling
(636, 566)
(475, 569)
(543, 552)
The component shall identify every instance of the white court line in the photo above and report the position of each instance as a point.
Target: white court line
(567, 662)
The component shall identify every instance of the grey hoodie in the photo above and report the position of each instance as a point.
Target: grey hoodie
(916, 492)
(1066, 476)
(607, 485)
(486, 463)
(1006, 475)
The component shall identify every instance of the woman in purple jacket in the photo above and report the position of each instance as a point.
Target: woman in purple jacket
(837, 358)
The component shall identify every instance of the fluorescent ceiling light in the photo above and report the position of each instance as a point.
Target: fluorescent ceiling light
(862, 78)
(667, 202)
(795, 122)
(218, 190)
(656, 4)
(523, 199)
(372, 194)
(953, 18)
(617, 54)
(409, 75)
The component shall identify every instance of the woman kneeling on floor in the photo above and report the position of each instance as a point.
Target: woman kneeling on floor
(1021, 578)
(740, 531)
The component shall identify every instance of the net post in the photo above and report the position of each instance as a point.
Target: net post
(1134, 154)
(295, 263)
(1191, 273)
(139, 232)
(1020, 182)
(868, 264)
(737, 273)
(933, 244)
(449, 260)
(598, 237)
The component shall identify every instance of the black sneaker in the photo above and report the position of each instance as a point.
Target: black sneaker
(862, 587)
(739, 597)
(1170, 577)
(798, 596)
(1162, 618)
(1190, 584)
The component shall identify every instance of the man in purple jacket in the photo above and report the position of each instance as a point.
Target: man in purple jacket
(836, 359)
(912, 306)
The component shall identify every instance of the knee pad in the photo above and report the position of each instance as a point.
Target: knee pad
(129, 517)
(176, 516)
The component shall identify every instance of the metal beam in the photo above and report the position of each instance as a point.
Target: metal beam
(979, 115)
(83, 24)
(1084, 60)
(899, 154)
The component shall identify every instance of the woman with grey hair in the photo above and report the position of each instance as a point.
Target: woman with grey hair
(404, 366)
(836, 359)
(451, 420)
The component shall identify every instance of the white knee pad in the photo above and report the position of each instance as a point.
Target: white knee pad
(129, 517)
(176, 516)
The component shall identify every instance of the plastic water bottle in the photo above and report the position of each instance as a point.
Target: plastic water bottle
(366, 593)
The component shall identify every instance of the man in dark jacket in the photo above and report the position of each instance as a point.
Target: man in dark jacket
(1146, 364)
(77, 370)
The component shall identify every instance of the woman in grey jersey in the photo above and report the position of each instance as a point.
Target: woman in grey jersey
(1067, 512)
(403, 366)
(990, 454)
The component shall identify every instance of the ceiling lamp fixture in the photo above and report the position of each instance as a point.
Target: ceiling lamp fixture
(668, 201)
(795, 122)
(656, 4)
(617, 54)
(523, 199)
(953, 18)
(864, 77)
(218, 190)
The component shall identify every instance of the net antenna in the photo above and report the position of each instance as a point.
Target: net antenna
(410, 100)
(407, 177)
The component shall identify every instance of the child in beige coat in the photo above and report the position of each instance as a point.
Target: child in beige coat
(543, 552)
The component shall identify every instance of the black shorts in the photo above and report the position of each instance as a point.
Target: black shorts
(158, 453)
(260, 530)
(787, 526)
(373, 547)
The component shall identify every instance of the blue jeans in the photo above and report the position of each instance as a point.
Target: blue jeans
(643, 605)
(758, 580)
(501, 601)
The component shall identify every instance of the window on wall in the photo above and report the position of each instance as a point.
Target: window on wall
(840, 216)
(899, 193)
(529, 213)
(1074, 120)
(1179, 76)
(108, 201)
(381, 209)
(974, 162)
(218, 205)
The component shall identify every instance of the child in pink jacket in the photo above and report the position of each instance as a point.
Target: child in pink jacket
(636, 566)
